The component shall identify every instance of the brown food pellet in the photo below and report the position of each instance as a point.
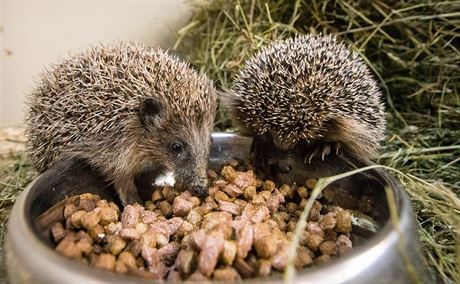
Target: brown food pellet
(212, 174)
(115, 244)
(344, 244)
(226, 274)
(302, 192)
(90, 219)
(291, 207)
(258, 199)
(130, 216)
(186, 259)
(343, 219)
(223, 228)
(210, 250)
(240, 202)
(184, 229)
(250, 192)
(69, 248)
(221, 196)
(314, 241)
(286, 190)
(265, 267)
(157, 195)
(265, 194)
(229, 252)
(330, 235)
(228, 173)
(290, 227)
(195, 201)
(328, 247)
(121, 267)
(88, 201)
(102, 203)
(180, 207)
(233, 163)
(75, 219)
(194, 217)
(114, 206)
(322, 259)
(166, 208)
(244, 268)
(328, 222)
(108, 215)
(85, 246)
(135, 247)
(311, 183)
(280, 259)
(58, 232)
(268, 185)
(197, 276)
(69, 209)
(128, 259)
(304, 257)
(266, 246)
(129, 234)
(105, 261)
(150, 205)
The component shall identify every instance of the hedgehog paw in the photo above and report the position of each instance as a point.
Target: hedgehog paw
(130, 199)
(322, 150)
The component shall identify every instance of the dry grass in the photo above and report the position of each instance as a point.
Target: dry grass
(413, 49)
(15, 174)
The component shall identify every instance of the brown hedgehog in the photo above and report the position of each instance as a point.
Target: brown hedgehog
(309, 91)
(124, 109)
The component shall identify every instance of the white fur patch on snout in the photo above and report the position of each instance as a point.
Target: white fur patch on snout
(165, 179)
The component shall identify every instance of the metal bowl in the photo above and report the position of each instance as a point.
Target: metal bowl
(376, 258)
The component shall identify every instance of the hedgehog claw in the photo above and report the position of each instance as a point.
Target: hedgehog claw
(323, 150)
(337, 148)
(326, 150)
(312, 155)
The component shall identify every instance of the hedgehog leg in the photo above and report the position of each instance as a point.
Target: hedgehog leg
(127, 191)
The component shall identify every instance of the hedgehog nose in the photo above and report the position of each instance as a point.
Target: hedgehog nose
(282, 167)
(201, 191)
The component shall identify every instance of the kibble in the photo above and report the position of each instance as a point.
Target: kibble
(243, 229)
(75, 218)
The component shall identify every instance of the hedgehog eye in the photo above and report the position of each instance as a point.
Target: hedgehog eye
(177, 147)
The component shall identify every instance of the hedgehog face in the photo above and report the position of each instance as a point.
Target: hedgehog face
(190, 158)
(177, 145)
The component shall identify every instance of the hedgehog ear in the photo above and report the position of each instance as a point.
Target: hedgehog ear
(151, 112)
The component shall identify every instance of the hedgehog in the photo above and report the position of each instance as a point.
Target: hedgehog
(124, 109)
(309, 91)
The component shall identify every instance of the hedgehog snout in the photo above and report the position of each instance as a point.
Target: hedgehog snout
(200, 187)
(199, 190)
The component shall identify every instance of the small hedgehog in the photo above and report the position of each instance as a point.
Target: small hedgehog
(124, 109)
(311, 91)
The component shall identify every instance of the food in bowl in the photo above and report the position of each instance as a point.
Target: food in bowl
(241, 230)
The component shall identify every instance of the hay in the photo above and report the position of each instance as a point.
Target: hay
(15, 174)
(413, 49)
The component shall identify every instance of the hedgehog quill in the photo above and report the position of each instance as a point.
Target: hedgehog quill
(124, 109)
(309, 91)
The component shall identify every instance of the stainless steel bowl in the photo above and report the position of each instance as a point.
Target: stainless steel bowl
(376, 257)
